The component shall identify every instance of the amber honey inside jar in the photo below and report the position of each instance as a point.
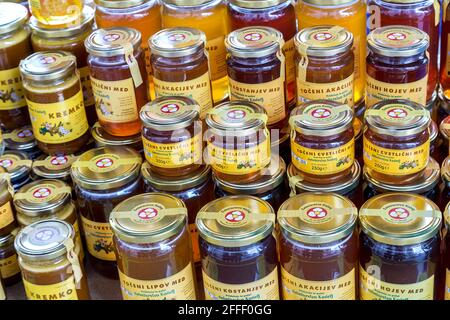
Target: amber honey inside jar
(446, 258)
(18, 165)
(104, 139)
(325, 64)
(103, 177)
(14, 46)
(396, 140)
(322, 141)
(22, 139)
(180, 66)
(49, 262)
(238, 248)
(399, 248)
(55, 101)
(118, 77)
(172, 135)
(238, 143)
(153, 248)
(53, 167)
(9, 266)
(54, 12)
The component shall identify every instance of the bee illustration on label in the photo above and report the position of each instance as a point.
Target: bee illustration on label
(104, 107)
(100, 245)
(54, 129)
(409, 165)
(10, 95)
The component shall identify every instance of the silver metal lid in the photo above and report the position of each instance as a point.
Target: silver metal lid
(110, 42)
(21, 139)
(177, 42)
(53, 167)
(48, 65)
(16, 163)
(12, 16)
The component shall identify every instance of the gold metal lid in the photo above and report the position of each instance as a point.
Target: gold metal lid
(397, 118)
(170, 113)
(444, 128)
(12, 16)
(42, 197)
(177, 42)
(44, 240)
(187, 3)
(447, 216)
(434, 131)
(104, 139)
(8, 239)
(119, 4)
(48, 65)
(331, 3)
(400, 218)
(257, 4)
(235, 221)
(445, 170)
(240, 117)
(110, 42)
(397, 41)
(254, 42)
(271, 177)
(20, 139)
(148, 218)
(175, 184)
(317, 218)
(323, 41)
(16, 163)
(53, 167)
(44, 31)
(106, 168)
(423, 182)
(321, 118)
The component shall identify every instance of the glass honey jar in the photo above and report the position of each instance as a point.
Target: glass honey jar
(49, 262)
(349, 14)
(195, 190)
(444, 88)
(54, 12)
(445, 176)
(153, 248)
(318, 247)
(209, 16)
(397, 65)
(18, 165)
(22, 139)
(322, 141)
(396, 140)
(69, 38)
(9, 265)
(181, 67)
(118, 77)
(399, 252)
(55, 101)
(172, 135)
(103, 177)
(15, 46)
(446, 257)
(324, 64)
(444, 130)
(238, 143)
(53, 167)
(104, 139)
(256, 71)
(278, 14)
(238, 249)
(358, 130)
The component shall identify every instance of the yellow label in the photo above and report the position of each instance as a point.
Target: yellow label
(447, 284)
(86, 86)
(195, 246)
(179, 286)
(9, 267)
(263, 289)
(396, 162)
(65, 290)
(59, 122)
(379, 91)
(115, 101)
(2, 292)
(174, 155)
(289, 53)
(270, 95)
(12, 94)
(198, 89)
(323, 161)
(437, 12)
(371, 288)
(340, 91)
(6, 215)
(241, 161)
(217, 54)
(98, 237)
(294, 288)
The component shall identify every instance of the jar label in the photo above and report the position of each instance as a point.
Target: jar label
(65, 290)
(6, 215)
(174, 155)
(195, 245)
(77, 239)
(217, 54)
(289, 54)
(379, 91)
(263, 289)
(59, 122)
(323, 161)
(396, 162)
(115, 101)
(447, 284)
(241, 161)
(86, 86)
(99, 241)
(179, 286)
(198, 89)
(2, 293)
(11, 90)
(294, 288)
(372, 288)
(9, 267)
(340, 91)
(270, 95)
(437, 12)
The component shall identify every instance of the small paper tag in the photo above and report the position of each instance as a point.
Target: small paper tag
(132, 64)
